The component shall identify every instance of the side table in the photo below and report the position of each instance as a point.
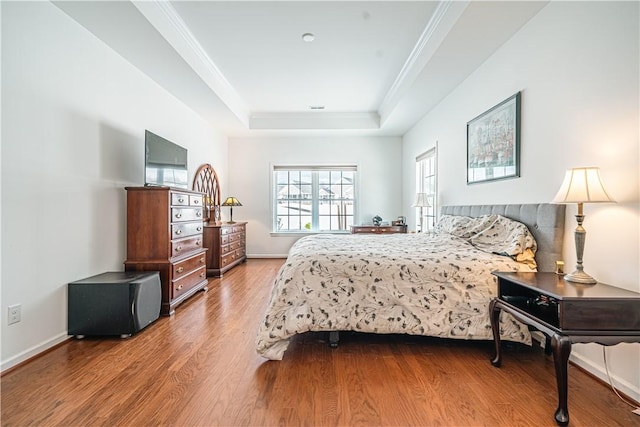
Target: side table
(566, 313)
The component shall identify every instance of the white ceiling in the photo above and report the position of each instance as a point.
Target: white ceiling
(375, 66)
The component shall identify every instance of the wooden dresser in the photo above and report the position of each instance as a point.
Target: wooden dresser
(378, 229)
(227, 246)
(165, 234)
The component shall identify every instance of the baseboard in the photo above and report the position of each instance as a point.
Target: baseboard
(600, 373)
(266, 255)
(35, 351)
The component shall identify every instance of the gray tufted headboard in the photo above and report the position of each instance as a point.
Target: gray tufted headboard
(544, 220)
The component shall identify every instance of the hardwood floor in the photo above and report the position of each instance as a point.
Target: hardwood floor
(199, 368)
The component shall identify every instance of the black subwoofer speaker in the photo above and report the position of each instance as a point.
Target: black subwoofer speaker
(114, 303)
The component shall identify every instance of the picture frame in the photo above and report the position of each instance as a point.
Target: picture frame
(493, 143)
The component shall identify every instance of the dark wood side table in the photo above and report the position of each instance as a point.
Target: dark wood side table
(378, 229)
(566, 313)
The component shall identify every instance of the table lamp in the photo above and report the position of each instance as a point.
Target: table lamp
(581, 185)
(231, 202)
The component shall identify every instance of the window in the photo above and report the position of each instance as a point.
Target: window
(313, 199)
(427, 182)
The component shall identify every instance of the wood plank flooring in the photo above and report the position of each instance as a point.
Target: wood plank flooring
(199, 368)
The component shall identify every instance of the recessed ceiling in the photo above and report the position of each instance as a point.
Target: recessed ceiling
(375, 66)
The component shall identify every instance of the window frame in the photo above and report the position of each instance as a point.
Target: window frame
(315, 199)
(430, 214)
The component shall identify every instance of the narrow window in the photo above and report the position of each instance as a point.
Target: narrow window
(427, 182)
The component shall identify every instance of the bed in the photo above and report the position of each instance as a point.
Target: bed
(432, 284)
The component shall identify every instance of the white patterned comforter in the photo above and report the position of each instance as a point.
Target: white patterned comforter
(420, 284)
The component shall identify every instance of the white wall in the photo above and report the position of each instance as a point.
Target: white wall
(250, 160)
(576, 64)
(74, 114)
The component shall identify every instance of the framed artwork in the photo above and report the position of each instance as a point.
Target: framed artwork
(493, 143)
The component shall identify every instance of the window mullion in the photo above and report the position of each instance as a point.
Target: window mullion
(315, 196)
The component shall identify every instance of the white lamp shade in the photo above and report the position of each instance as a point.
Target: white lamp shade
(422, 201)
(582, 185)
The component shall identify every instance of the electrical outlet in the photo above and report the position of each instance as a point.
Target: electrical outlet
(14, 313)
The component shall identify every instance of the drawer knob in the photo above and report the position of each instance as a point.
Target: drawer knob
(179, 231)
(199, 229)
(178, 248)
(198, 242)
(179, 287)
(178, 215)
(181, 200)
(199, 214)
(196, 201)
(180, 269)
(203, 274)
(201, 260)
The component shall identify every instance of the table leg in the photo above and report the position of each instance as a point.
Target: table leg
(561, 346)
(494, 312)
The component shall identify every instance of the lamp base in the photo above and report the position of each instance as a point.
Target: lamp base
(230, 222)
(580, 276)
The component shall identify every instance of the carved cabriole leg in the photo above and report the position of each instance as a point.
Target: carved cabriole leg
(561, 349)
(495, 327)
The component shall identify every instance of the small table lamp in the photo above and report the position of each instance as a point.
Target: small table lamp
(581, 185)
(422, 201)
(231, 202)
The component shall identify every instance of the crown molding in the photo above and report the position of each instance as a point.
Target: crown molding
(167, 21)
(444, 17)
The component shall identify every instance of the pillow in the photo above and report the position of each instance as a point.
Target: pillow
(454, 224)
(493, 233)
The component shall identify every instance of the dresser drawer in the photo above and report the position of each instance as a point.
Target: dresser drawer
(186, 214)
(183, 246)
(179, 199)
(234, 237)
(225, 249)
(224, 239)
(185, 229)
(187, 282)
(228, 259)
(185, 267)
(195, 200)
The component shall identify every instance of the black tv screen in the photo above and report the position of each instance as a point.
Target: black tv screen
(165, 163)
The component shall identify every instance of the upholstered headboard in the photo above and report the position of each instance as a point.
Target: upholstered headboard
(544, 220)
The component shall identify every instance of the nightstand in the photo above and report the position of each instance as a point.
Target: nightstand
(378, 229)
(566, 313)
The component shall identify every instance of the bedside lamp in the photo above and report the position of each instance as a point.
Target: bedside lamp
(421, 201)
(581, 185)
(231, 202)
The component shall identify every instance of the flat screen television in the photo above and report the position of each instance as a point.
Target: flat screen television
(165, 163)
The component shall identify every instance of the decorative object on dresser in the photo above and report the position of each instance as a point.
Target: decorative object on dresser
(493, 143)
(421, 201)
(231, 202)
(227, 246)
(581, 185)
(164, 233)
(566, 314)
(206, 181)
(378, 229)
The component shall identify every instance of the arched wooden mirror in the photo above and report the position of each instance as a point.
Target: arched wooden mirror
(206, 181)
